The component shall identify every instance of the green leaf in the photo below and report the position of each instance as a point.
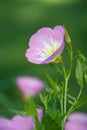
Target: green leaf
(50, 124)
(71, 97)
(54, 114)
(78, 103)
(37, 123)
(80, 73)
(81, 55)
(85, 70)
(52, 111)
(70, 102)
(45, 99)
(30, 108)
(41, 97)
(54, 86)
(84, 62)
(17, 112)
(85, 76)
(49, 90)
(59, 70)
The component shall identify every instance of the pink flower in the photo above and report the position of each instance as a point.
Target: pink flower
(20, 123)
(29, 86)
(23, 123)
(45, 45)
(40, 114)
(6, 124)
(17, 123)
(76, 121)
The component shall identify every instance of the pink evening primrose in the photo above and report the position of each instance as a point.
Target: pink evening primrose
(20, 123)
(6, 124)
(76, 121)
(40, 114)
(17, 123)
(23, 123)
(29, 86)
(45, 45)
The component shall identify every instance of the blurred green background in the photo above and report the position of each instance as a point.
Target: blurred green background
(19, 19)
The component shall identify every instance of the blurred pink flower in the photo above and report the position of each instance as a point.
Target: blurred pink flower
(76, 121)
(6, 124)
(40, 114)
(17, 123)
(20, 123)
(29, 86)
(23, 123)
(45, 45)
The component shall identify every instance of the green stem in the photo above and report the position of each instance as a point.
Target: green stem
(71, 59)
(65, 95)
(62, 103)
(79, 93)
(45, 105)
(63, 67)
(67, 76)
(63, 126)
(62, 95)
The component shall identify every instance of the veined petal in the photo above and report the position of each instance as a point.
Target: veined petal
(59, 34)
(35, 55)
(41, 38)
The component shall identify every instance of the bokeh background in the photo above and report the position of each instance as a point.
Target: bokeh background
(19, 19)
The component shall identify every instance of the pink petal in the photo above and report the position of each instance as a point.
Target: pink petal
(41, 37)
(73, 126)
(59, 34)
(40, 114)
(77, 117)
(76, 121)
(29, 85)
(6, 124)
(34, 55)
(23, 123)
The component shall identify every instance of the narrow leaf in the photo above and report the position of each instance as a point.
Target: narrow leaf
(78, 103)
(54, 86)
(79, 73)
(30, 108)
(17, 112)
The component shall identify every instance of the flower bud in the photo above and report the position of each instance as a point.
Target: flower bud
(67, 37)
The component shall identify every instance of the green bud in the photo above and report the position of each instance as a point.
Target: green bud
(67, 37)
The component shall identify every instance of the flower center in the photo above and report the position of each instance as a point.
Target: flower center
(50, 48)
